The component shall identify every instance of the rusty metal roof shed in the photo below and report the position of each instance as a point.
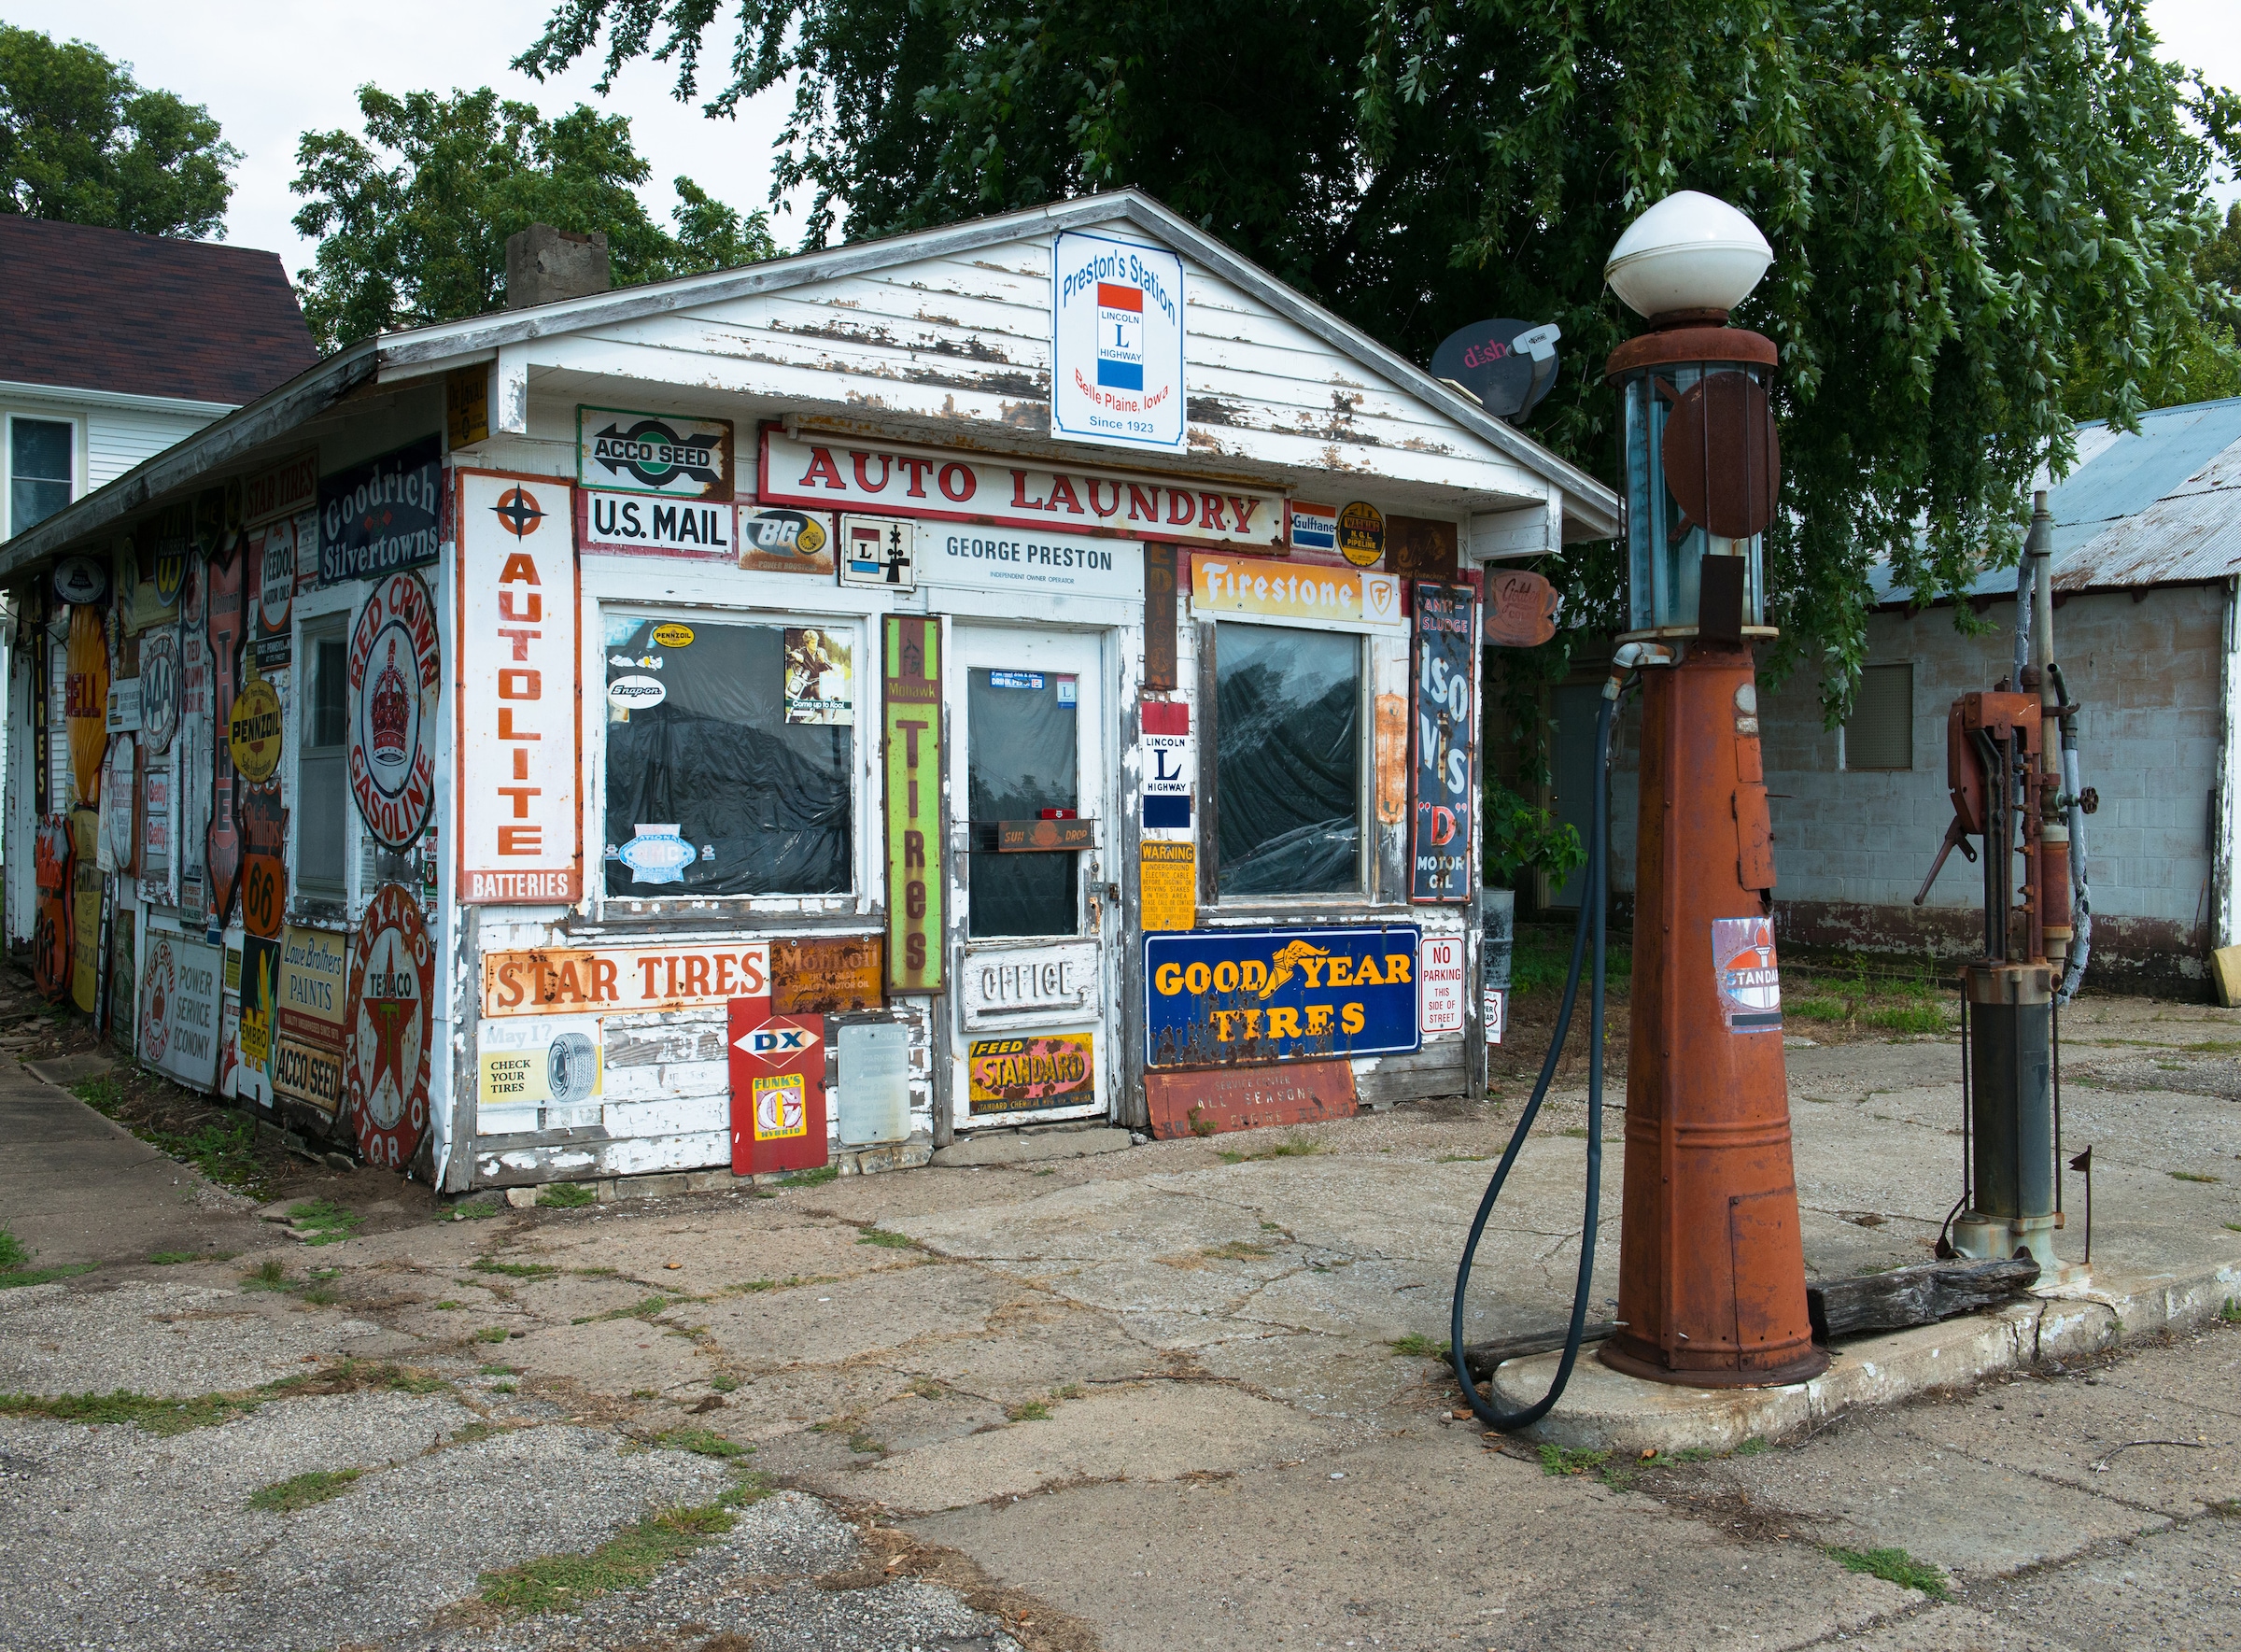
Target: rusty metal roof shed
(2159, 507)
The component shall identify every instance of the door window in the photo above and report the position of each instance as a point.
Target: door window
(1022, 755)
(1288, 769)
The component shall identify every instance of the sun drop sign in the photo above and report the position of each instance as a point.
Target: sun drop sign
(1116, 342)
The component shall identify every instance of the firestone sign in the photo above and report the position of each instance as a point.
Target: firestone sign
(1116, 342)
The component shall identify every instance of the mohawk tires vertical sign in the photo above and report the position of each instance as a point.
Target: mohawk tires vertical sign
(912, 650)
(520, 829)
(1439, 786)
(396, 681)
(1116, 342)
(664, 453)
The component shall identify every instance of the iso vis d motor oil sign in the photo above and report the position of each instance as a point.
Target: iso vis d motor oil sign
(519, 717)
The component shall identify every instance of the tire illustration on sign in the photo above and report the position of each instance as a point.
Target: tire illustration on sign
(386, 1027)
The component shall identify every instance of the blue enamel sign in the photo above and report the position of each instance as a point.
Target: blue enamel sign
(1222, 998)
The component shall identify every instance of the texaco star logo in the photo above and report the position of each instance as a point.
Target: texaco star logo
(517, 512)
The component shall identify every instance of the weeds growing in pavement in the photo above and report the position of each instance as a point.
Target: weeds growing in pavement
(283, 1497)
(628, 1559)
(1894, 1566)
(514, 1270)
(701, 1442)
(872, 1235)
(817, 1178)
(1416, 1345)
(1562, 1460)
(15, 1267)
(567, 1195)
(328, 1222)
(173, 1258)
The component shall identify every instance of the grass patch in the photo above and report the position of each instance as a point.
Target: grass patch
(643, 1308)
(328, 1222)
(568, 1196)
(285, 1497)
(514, 1270)
(817, 1178)
(447, 1305)
(1028, 1411)
(873, 1236)
(15, 1269)
(724, 1382)
(223, 1148)
(1562, 1460)
(701, 1442)
(146, 1412)
(1297, 1147)
(1894, 1566)
(266, 1275)
(628, 1559)
(1753, 1448)
(1238, 1250)
(2191, 1175)
(1578, 1131)
(1417, 1346)
(491, 1334)
(2231, 1312)
(1920, 1016)
(1818, 1008)
(471, 1210)
(173, 1258)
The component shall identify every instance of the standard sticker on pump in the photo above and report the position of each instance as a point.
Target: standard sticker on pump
(1744, 971)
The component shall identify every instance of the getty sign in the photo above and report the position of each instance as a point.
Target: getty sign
(1116, 342)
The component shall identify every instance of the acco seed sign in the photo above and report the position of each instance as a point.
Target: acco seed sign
(836, 475)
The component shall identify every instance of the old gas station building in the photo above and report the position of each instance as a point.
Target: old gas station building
(1008, 675)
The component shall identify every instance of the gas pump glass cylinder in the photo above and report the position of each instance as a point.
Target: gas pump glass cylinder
(1703, 468)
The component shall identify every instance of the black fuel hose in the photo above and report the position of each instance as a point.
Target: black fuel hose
(1591, 919)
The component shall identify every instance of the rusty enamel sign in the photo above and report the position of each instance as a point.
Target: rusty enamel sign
(616, 980)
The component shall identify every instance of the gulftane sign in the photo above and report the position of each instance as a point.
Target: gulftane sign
(1116, 342)
(1244, 997)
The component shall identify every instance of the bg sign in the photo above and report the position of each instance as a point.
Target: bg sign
(1219, 997)
(1116, 342)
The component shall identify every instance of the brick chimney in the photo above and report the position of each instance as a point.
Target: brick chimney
(544, 265)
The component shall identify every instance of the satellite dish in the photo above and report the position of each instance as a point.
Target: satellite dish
(1508, 365)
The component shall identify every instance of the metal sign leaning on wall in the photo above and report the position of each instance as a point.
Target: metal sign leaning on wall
(520, 716)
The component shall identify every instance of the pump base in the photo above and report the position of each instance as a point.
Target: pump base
(1805, 1365)
(1996, 1238)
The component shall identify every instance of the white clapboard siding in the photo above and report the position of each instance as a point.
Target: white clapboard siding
(119, 438)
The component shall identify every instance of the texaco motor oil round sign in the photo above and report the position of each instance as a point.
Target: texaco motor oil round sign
(396, 681)
(386, 1027)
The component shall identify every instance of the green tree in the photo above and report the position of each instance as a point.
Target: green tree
(82, 143)
(1973, 202)
(413, 216)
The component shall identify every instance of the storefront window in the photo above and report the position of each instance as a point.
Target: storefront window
(1288, 773)
(729, 753)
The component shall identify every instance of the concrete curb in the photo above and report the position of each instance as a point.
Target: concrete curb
(1603, 1410)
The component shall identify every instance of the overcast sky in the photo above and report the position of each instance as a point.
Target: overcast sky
(271, 71)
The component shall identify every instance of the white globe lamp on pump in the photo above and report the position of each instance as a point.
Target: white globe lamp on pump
(1690, 257)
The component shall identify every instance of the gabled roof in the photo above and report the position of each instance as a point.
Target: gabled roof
(427, 350)
(109, 310)
(2159, 507)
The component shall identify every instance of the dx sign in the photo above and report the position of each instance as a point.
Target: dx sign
(775, 1043)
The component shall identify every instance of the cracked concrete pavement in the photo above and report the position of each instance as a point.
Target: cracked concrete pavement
(1148, 1400)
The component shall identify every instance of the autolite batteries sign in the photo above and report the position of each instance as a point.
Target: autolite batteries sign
(818, 474)
(1219, 997)
(1116, 342)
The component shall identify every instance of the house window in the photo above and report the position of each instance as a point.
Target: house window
(730, 759)
(42, 469)
(1288, 760)
(322, 803)
(1879, 734)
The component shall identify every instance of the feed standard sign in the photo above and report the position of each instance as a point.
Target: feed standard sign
(1116, 342)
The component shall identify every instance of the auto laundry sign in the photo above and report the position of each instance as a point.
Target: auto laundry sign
(520, 829)
(1239, 996)
(819, 473)
(1116, 342)
(661, 453)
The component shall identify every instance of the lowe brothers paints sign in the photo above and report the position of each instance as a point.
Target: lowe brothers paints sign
(1116, 342)
(1246, 997)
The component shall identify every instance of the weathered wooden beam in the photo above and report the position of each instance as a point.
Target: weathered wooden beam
(1913, 1296)
(1480, 1358)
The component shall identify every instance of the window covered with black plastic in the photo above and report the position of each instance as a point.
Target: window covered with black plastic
(730, 758)
(1287, 774)
(1023, 757)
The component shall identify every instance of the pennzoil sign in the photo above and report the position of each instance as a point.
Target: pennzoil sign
(1224, 997)
(619, 451)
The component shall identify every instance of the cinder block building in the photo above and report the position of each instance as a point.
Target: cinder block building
(2147, 547)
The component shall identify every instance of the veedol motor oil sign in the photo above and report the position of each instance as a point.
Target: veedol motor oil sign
(1116, 342)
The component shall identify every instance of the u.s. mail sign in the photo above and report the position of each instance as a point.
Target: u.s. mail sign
(1116, 342)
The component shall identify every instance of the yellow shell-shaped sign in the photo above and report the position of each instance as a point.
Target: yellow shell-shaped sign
(253, 730)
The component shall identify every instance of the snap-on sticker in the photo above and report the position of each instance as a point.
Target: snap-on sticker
(1748, 978)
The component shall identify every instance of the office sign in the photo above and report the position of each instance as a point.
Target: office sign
(382, 516)
(1116, 342)
(388, 1025)
(1294, 590)
(1441, 792)
(396, 681)
(659, 453)
(1219, 998)
(911, 652)
(520, 835)
(1060, 978)
(818, 473)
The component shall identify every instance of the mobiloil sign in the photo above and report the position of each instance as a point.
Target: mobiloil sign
(1242, 997)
